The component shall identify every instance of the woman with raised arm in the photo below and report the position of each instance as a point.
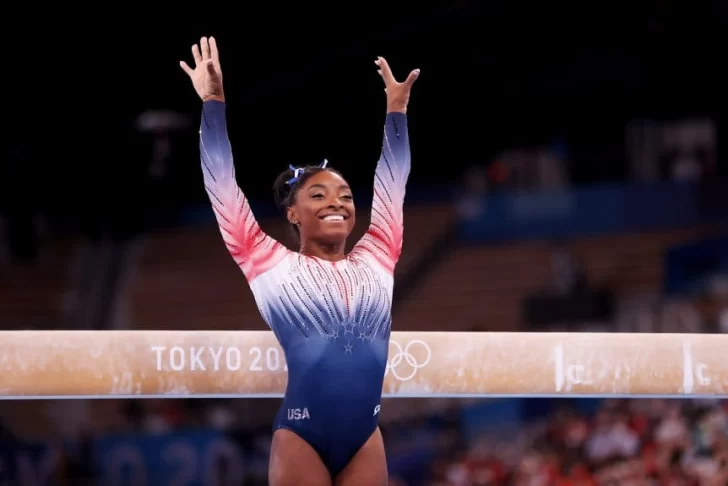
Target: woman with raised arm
(331, 312)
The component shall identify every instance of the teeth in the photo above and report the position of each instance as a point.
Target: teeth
(334, 217)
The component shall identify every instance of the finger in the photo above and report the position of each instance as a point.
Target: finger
(186, 68)
(384, 67)
(196, 54)
(412, 77)
(205, 47)
(213, 50)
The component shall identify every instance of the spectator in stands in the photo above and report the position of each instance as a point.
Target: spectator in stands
(471, 200)
(631, 442)
(569, 275)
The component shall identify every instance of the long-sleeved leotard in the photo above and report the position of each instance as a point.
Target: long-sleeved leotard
(332, 319)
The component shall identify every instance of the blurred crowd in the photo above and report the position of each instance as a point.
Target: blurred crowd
(610, 442)
(627, 442)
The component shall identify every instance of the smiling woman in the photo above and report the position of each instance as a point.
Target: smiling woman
(331, 312)
(320, 207)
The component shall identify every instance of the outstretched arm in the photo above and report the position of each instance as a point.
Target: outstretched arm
(254, 251)
(383, 239)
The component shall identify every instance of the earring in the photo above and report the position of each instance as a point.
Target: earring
(295, 222)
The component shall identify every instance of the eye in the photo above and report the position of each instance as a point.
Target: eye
(317, 195)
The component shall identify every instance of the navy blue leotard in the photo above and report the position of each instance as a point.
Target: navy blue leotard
(332, 319)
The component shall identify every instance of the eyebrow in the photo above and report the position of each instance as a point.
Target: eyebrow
(321, 186)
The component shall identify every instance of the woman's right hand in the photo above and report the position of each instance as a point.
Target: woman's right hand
(206, 76)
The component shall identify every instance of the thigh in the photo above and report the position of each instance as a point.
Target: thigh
(294, 462)
(368, 467)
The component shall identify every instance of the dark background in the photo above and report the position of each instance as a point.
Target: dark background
(301, 85)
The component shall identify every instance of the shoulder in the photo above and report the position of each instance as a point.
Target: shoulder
(269, 264)
(372, 252)
(374, 262)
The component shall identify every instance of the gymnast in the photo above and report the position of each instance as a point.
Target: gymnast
(331, 312)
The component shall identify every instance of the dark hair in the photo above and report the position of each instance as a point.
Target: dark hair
(285, 193)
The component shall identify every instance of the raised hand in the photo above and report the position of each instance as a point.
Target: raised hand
(397, 93)
(206, 76)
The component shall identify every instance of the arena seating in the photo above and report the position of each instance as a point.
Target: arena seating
(31, 295)
(482, 287)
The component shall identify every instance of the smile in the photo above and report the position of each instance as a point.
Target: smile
(334, 217)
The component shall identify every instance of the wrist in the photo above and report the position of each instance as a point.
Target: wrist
(396, 107)
(220, 98)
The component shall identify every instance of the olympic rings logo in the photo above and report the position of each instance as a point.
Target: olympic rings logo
(405, 355)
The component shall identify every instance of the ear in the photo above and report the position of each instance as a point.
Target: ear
(292, 215)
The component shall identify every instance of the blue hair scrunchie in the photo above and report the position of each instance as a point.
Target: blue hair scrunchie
(298, 171)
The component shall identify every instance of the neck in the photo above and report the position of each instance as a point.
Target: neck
(332, 252)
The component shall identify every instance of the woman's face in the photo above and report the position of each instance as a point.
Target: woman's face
(324, 209)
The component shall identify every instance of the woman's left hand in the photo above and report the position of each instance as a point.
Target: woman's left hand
(397, 93)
